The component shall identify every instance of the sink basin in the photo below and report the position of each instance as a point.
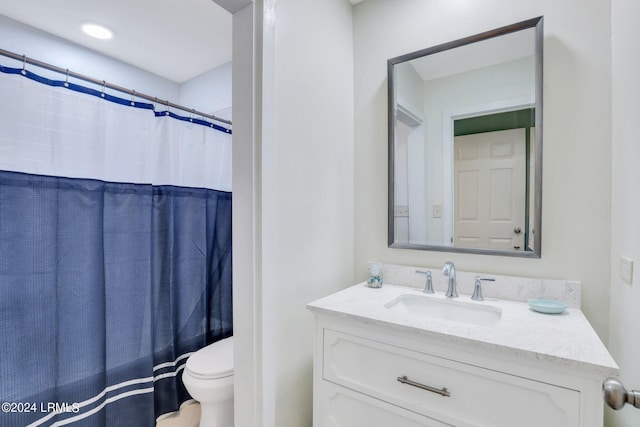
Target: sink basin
(457, 311)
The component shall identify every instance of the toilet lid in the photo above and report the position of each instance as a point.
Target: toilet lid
(213, 361)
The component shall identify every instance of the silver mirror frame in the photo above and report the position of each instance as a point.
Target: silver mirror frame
(536, 251)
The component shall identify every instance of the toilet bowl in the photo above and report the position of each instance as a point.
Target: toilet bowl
(208, 377)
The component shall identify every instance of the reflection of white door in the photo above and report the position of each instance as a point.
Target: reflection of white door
(489, 196)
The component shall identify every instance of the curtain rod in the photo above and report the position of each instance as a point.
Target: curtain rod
(26, 60)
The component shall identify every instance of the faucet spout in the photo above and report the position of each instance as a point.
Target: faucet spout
(449, 269)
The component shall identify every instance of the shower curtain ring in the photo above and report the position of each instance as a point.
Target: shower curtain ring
(191, 113)
(24, 65)
(104, 86)
(133, 95)
(168, 112)
(66, 82)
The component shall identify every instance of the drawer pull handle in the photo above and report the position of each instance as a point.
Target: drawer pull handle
(443, 392)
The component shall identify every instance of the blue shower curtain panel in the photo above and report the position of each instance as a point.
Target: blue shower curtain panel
(105, 290)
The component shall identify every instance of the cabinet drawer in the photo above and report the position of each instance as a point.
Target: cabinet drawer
(478, 397)
(345, 408)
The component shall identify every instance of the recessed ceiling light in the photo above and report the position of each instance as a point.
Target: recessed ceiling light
(96, 30)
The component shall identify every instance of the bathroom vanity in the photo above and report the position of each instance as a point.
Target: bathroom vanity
(395, 356)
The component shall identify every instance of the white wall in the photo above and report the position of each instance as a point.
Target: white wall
(409, 88)
(210, 92)
(306, 173)
(577, 133)
(246, 87)
(624, 341)
(25, 40)
(247, 325)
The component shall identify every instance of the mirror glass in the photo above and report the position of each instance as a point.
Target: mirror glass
(465, 144)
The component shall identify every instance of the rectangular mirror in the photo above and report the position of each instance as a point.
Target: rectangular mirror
(465, 144)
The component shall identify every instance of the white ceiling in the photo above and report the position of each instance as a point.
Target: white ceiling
(489, 52)
(176, 39)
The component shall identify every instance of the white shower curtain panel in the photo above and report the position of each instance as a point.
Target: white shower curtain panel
(48, 130)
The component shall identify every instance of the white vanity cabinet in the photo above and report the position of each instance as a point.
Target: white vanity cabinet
(370, 372)
(369, 368)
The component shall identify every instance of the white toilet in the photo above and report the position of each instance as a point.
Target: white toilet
(208, 377)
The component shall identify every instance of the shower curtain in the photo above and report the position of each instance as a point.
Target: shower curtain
(115, 253)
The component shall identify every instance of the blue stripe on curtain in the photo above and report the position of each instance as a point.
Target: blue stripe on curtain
(105, 289)
(101, 94)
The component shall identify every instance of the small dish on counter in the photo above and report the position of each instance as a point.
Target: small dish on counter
(547, 306)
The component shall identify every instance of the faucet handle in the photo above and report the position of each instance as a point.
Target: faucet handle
(428, 285)
(477, 289)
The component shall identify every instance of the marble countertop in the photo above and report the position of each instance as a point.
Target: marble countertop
(565, 339)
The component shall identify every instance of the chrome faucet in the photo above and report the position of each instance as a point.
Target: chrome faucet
(449, 269)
